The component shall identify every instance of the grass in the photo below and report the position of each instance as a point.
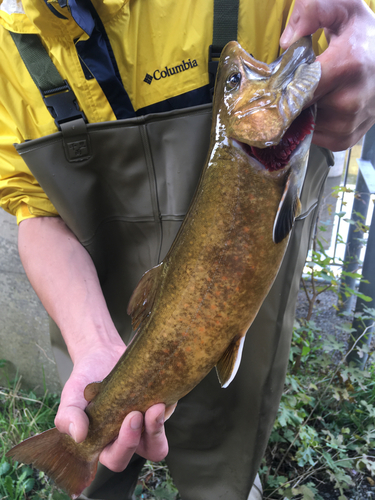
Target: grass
(22, 415)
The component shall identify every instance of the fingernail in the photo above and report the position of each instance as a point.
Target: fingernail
(72, 431)
(287, 35)
(136, 422)
(160, 418)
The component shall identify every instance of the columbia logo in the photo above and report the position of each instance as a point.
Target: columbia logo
(164, 73)
(148, 79)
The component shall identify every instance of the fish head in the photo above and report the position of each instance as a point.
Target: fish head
(258, 102)
(262, 111)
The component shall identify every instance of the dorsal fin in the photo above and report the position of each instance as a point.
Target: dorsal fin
(143, 297)
(289, 209)
(229, 362)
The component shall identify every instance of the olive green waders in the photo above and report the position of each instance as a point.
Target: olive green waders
(124, 195)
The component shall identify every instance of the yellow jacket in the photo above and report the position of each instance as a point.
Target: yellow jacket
(161, 49)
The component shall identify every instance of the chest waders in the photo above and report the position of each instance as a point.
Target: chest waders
(123, 188)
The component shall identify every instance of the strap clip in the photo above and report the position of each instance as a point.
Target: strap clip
(62, 104)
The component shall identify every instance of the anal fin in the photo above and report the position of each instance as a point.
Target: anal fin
(229, 363)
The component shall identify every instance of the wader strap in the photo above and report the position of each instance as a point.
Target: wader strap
(224, 30)
(56, 92)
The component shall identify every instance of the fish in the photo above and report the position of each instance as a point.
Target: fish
(191, 312)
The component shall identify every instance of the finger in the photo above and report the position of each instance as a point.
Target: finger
(341, 119)
(325, 138)
(302, 22)
(73, 421)
(71, 418)
(310, 15)
(117, 455)
(339, 75)
(154, 444)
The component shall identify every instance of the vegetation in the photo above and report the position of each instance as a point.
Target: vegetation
(22, 414)
(324, 433)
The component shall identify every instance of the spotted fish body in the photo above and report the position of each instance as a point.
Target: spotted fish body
(192, 311)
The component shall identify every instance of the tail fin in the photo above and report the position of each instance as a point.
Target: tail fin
(59, 456)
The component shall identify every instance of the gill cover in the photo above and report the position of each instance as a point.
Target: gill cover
(259, 105)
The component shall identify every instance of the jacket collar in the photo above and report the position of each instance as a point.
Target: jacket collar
(48, 18)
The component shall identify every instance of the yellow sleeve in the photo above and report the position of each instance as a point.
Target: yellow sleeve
(20, 194)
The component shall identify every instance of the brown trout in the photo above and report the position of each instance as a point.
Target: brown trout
(192, 311)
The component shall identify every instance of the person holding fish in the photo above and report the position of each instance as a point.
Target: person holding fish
(111, 116)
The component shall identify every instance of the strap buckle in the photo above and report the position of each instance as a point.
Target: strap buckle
(62, 104)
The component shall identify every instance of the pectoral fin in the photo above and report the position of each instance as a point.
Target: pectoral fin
(229, 363)
(290, 204)
(289, 209)
(143, 297)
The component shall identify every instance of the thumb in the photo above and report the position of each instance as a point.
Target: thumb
(303, 21)
(310, 15)
(73, 421)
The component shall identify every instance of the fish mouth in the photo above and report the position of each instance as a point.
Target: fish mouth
(276, 157)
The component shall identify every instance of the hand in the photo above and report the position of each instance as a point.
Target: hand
(71, 419)
(346, 92)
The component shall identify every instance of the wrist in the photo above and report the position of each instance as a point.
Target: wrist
(91, 334)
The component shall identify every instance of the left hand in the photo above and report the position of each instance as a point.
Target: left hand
(144, 435)
(346, 93)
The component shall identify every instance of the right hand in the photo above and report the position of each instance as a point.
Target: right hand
(94, 366)
(346, 92)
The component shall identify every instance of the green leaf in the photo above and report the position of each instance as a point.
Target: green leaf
(305, 491)
(29, 484)
(8, 483)
(4, 468)
(26, 471)
(164, 494)
(305, 350)
(366, 298)
(138, 490)
(59, 495)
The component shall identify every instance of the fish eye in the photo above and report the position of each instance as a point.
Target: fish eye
(233, 81)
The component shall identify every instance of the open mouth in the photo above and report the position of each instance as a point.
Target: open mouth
(276, 157)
